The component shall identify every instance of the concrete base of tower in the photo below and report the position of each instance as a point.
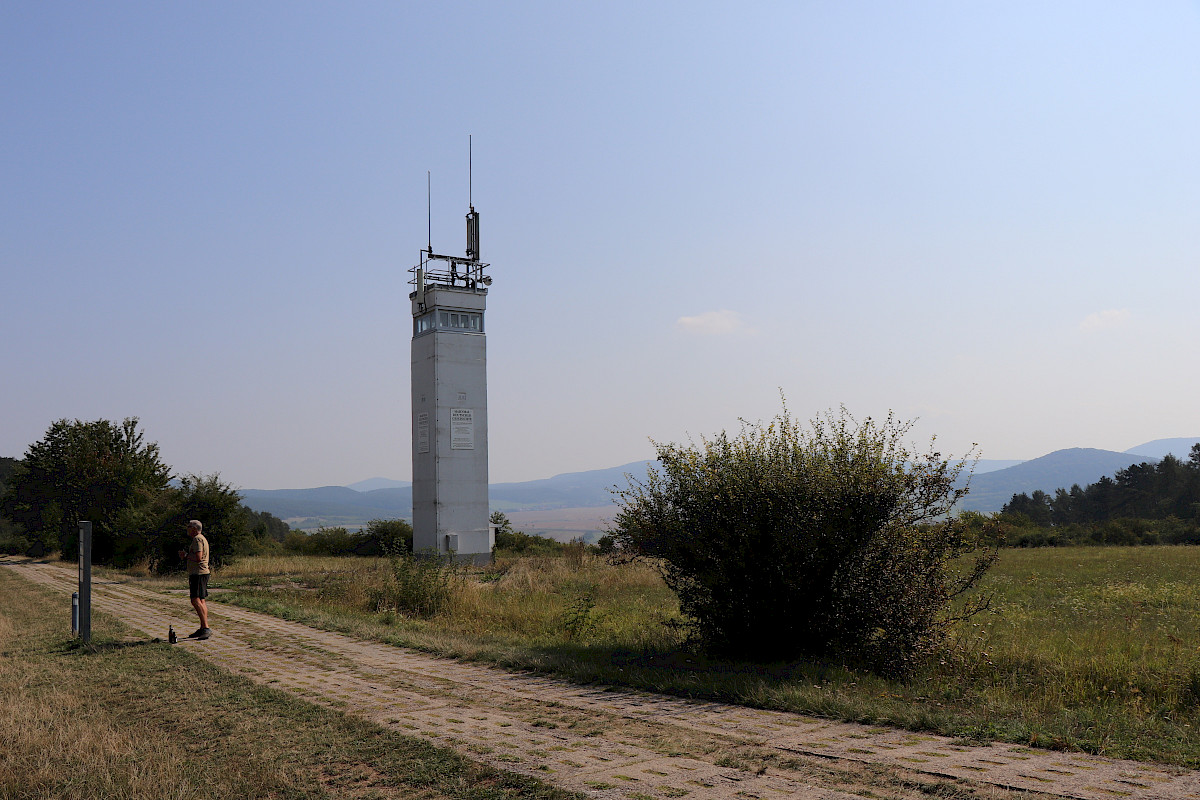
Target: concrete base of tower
(466, 547)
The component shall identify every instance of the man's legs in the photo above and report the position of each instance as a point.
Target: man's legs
(198, 589)
(201, 607)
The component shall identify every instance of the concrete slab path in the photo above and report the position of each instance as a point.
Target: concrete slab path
(608, 742)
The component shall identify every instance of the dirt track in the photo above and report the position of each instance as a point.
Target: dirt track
(614, 743)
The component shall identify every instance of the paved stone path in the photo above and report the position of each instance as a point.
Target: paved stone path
(605, 742)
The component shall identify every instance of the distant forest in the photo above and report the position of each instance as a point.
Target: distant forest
(1141, 504)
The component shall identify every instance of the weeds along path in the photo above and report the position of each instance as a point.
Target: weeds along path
(612, 743)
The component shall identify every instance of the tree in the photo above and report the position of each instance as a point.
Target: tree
(832, 541)
(157, 529)
(1067, 507)
(267, 529)
(7, 467)
(501, 521)
(219, 508)
(1036, 508)
(83, 471)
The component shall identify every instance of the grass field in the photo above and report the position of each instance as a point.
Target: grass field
(1094, 649)
(130, 718)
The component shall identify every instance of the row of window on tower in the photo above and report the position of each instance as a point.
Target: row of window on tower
(461, 321)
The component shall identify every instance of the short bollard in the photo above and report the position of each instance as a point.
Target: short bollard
(74, 613)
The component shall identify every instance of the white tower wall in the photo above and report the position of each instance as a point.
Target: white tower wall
(449, 423)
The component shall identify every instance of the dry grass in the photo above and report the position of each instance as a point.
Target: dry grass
(577, 597)
(143, 720)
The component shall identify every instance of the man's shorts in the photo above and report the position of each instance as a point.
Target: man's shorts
(198, 586)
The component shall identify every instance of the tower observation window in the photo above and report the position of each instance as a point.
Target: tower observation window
(459, 321)
(423, 323)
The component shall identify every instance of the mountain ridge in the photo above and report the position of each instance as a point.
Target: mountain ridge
(992, 486)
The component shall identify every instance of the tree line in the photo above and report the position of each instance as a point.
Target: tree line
(1142, 504)
(107, 473)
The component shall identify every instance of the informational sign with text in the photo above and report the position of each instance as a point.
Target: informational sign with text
(423, 432)
(462, 429)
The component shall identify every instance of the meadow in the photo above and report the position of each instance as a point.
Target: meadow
(1088, 648)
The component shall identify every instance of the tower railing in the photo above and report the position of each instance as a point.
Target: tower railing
(449, 271)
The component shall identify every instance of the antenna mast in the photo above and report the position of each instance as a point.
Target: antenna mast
(465, 270)
(472, 215)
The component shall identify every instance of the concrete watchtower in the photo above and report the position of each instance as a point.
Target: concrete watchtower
(449, 404)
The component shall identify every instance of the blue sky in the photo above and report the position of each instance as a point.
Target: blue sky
(982, 215)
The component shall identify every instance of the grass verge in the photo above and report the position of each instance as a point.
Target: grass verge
(134, 718)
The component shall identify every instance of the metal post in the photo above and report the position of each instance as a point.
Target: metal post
(85, 581)
(74, 613)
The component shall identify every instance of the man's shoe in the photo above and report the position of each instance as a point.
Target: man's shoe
(196, 633)
(204, 633)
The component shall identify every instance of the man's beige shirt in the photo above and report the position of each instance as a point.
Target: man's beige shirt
(199, 545)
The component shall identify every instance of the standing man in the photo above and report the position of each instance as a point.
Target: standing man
(197, 567)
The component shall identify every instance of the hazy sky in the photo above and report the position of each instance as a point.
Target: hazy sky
(985, 215)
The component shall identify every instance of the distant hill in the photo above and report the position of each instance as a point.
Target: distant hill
(993, 464)
(371, 484)
(1060, 469)
(994, 483)
(570, 490)
(1160, 448)
(344, 506)
(331, 505)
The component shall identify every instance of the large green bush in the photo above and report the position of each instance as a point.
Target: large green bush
(156, 529)
(387, 537)
(831, 541)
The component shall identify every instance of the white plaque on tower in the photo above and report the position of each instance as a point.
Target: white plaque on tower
(462, 429)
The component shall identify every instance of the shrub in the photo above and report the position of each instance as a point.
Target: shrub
(383, 537)
(516, 542)
(420, 587)
(833, 541)
(520, 543)
(387, 537)
(573, 553)
(606, 545)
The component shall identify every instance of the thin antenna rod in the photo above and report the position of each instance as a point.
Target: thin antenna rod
(429, 210)
(470, 175)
